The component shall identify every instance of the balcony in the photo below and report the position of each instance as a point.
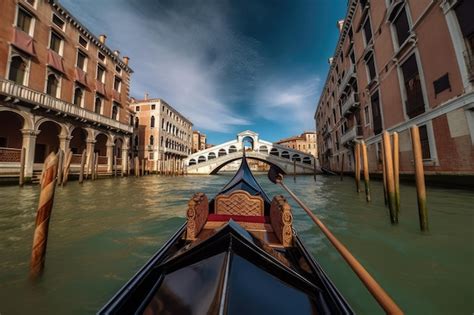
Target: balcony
(351, 135)
(27, 95)
(348, 77)
(469, 59)
(350, 104)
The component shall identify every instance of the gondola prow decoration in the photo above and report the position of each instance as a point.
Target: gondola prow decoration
(384, 300)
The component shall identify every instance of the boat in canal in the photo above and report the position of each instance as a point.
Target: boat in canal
(237, 253)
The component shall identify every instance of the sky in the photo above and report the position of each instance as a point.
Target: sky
(227, 66)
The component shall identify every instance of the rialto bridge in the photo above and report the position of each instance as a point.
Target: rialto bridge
(211, 160)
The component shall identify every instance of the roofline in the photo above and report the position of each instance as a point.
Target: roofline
(352, 4)
(85, 31)
(160, 100)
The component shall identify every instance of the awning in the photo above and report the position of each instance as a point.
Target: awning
(23, 41)
(55, 61)
(80, 76)
(100, 88)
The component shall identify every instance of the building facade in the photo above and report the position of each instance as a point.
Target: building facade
(163, 135)
(199, 141)
(398, 64)
(60, 87)
(305, 142)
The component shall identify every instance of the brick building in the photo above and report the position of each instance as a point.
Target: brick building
(60, 87)
(305, 142)
(163, 135)
(199, 141)
(397, 64)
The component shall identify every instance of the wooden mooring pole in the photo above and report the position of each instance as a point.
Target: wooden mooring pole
(366, 171)
(390, 181)
(96, 167)
(420, 178)
(314, 167)
(115, 165)
(384, 176)
(357, 166)
(342, 167)
(21, 179)
(83, 163)
(60, 166)
(396, 170)
(45, 206)
(67, 166)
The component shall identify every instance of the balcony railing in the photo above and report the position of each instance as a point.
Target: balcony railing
(28, 95)
(346, 79)
(350, 104)
(351, 135)
(10, 154)
(469, 59)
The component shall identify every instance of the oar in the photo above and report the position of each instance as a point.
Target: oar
(384, 300)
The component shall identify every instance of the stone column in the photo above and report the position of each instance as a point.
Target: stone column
(64, 142)
(90, 144)
(124, 159)
(110, 157)
(29, 143)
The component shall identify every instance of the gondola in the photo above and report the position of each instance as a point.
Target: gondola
(237, 253)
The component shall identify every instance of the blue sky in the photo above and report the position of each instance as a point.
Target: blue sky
(226, 65)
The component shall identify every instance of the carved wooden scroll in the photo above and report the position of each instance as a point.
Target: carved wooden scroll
(282, 220)
(198, 210)
(239, 202)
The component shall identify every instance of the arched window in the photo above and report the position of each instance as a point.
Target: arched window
(137, 122)
(17, 70)
(285, 155)
(211, 156)
(307, 160)
(201, 159)
(232, 149)
(192, 162)
(52, 85)
(98, 105)
(296, 157)
(152, 122)
(274, 151)
(136, 141)
(115, 112)
(161, 141)
(222, 152)
(152, 140)
(263, 149)
(163, 123)
(78, 96)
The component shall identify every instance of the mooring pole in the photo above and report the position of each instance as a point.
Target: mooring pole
(357, 165)
(342, 167)
(83, 162)
(384, 176)
(67, 165)
(45, 206)
(60, 166)
(390, 182)
(366, 171)
(21, 179)
(115, 165)
(420, 178)
(314, 167)
(396, 170)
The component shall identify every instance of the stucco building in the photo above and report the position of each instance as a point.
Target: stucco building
(163, 135)
(60, 87)
(199, 141)
(305, 142)
(398, 64)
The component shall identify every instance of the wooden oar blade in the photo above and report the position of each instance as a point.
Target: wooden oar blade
(274, 174)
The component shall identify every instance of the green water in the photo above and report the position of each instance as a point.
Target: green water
(103, 231)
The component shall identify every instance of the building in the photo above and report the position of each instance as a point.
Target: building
(163, 134)
(398, 64)
(60, 87)
(305, 142)
(199, 141)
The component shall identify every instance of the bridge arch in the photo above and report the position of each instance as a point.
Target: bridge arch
(232, 149)
(263, 149)
(275, 152)
(202, 159)
(211, 155)
(307, 160)
(219, 167)
(192, 162)
(296, 157)
(222, 152)
(285, 155)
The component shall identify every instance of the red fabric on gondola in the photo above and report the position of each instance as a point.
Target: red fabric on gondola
(55, 61)
(23, 41)
(238, 218)
(80, 76)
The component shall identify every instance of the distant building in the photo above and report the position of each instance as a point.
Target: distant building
(398, 64)
(61, 87)
(199, 141)
(305, 142)
(164, 135)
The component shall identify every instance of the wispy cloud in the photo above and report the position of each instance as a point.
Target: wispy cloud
(289, 100)
(187, 54)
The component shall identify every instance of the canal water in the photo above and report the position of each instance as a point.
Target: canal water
(103, 231)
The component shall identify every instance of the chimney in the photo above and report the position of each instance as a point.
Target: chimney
(117, 53)
(125, 60)
(340, 24)
(146, 96)
(102, 38)
(330, 60)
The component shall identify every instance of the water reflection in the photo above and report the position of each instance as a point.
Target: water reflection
(103, 231)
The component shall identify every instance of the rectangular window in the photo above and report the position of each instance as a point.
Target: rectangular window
(58, 22)
(366, 115)
(153, 106)
(117, 84)
(24, 20)
(414, 103)
(137, 108)
(118, 69)
(402, 27)
(55, 42)
(101, 56)
(81, 60)
(83, 42)
(376, 114)
(425, 143)
(371, 67)
(100, 74)
(367, 31)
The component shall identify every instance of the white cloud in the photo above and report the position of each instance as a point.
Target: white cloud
(290, 100)
(186, 55)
